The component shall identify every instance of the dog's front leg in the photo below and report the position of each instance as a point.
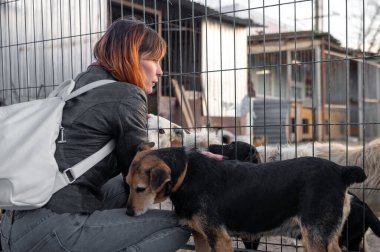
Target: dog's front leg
(201, 244)
(220, 240)
(197, 224)
(334, 245)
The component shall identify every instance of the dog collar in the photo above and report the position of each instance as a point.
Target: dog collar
(179, 180)
(212, 155)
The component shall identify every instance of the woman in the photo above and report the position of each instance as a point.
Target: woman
(90, 214)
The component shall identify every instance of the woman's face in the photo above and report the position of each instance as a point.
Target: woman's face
(152, 71)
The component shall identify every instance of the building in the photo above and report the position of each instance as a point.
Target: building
(205, 71)
(327, 92)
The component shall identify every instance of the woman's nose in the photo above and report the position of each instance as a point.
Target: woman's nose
(159, 70)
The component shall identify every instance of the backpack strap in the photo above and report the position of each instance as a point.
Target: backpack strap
(65, 87)
(86, 88)
(69, 175)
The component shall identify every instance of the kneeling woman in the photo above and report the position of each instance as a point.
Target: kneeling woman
(90, 214)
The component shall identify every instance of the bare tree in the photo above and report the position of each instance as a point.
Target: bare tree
(368, 30)
(373, 40)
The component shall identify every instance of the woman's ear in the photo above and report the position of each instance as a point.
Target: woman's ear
(145, 146)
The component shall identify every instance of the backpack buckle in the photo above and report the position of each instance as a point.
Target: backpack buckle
(62, 138)
(69, 175)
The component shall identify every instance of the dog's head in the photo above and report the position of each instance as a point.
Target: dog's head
(237, 150)
(153, 176)
(163, 132)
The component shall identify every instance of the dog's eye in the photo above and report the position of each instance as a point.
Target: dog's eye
(161, 131)
(140, 189)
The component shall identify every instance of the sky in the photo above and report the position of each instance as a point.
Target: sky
(344, 19)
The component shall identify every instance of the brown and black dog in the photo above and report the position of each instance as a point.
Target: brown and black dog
(360, 219)
(219, 198)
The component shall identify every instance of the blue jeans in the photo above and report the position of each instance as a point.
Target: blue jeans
(108, 229)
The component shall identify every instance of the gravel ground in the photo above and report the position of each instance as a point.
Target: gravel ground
(276, 244)
(284, 244)
(372, 241)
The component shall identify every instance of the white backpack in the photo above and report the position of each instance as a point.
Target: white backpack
(29, 173)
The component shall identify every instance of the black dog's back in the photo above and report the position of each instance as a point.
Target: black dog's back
(236, 189)
(247, 153)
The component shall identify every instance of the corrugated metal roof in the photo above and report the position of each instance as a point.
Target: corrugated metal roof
(201, 10)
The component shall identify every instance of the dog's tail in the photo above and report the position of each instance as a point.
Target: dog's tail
(371, 220)
(353, 174)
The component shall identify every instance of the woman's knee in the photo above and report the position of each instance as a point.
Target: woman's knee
(166, 240)
(115, 193)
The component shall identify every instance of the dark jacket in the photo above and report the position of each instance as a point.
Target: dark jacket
(117, 110)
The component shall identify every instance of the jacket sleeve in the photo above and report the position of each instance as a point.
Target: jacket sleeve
(132, 131)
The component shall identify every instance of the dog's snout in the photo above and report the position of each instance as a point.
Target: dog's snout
(130, 212)
(178, 132)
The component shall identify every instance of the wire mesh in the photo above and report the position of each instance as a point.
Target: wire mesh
(272, 72)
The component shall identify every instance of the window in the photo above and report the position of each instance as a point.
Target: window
(342, 127)
(296, 92)
(327, 128)
(305, 126)
(297, 71)
(264, 82)
(308, 87)
(301, 73)
(293, 125)
(267, 75)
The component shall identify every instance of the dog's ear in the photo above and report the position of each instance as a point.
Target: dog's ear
(158, 178)
(253, 156)
(145, 146)
(160, 182)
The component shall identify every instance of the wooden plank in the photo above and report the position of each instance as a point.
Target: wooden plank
(185, 106)
(188, 107)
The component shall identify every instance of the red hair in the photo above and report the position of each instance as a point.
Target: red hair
(119, 50)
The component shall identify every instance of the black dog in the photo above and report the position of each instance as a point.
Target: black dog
(361, 217)
(237, 151)
(217, 198)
